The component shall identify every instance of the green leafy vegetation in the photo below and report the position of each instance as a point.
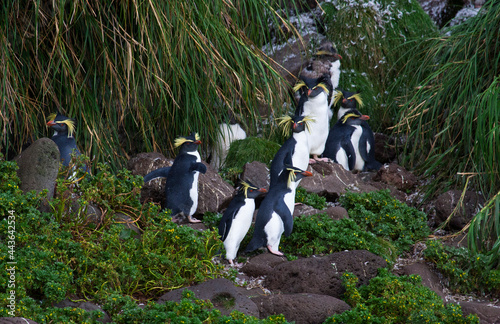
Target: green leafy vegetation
(250, 149)
(392, 299)
(377, 223)
(311, 199)
(467, 272)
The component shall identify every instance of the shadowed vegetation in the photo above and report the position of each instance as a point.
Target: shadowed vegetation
(450, 113)
(133, 74)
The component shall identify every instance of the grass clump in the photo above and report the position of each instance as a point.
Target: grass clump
(392, 299)
(311, 199)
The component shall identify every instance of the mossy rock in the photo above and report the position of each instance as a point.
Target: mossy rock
(250, 149)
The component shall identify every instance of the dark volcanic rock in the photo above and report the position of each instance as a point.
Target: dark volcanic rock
(397, 176)
(257, 173)
(39, 166)
(332, 180)
(487, 314)
(262, 264)
(85, 306)
(300, 308)
(214, 193)
(144, 163)
(446, 204)
(322, 275)
(222, 293)
(16, 320)
(429, 278)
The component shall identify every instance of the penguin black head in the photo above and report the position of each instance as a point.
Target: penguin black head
(188, 143)
(296, 123)
(62, 125)
(353, 117)
(312, 87)
(250, 190)
(327, 49)
(295, 174)
(348, 100)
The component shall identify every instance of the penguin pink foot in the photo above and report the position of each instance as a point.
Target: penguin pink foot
(274, 252)
(235, 264)
(191, 219)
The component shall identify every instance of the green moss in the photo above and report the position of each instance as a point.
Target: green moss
(249, 150)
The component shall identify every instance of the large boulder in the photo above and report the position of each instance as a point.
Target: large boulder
(300, 308)
(222, 293)
(214, 194)
(332, 180)
(322, 275)
(397, 176)
(39, 166)
(463, 210)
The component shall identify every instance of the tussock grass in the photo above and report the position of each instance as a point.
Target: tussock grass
(134, 75)
(450, 115)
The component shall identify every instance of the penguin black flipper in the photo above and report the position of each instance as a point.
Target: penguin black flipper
(198, 166)
(158, 173)
(227, 218)
(282, 210)
(351, 155)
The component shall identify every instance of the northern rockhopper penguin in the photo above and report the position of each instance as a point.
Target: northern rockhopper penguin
(237, 218)
(181, 187)
(317, 93)
(297, 145)
(64, 128)
(275, 215)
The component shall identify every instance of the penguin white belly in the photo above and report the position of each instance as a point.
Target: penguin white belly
(335, 74)
(193, 192)
(274, 229)
(239, 228)
(356, 135)
(289, 198)
(342, 158)
(341, 112)
(300, 158)
(227, 135)
(317, 109)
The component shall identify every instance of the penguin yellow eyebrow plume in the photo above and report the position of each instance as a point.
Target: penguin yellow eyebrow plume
(357, 97)
(70, 123)
(337, 97)
(291, 176)
(323, 86)
(347, 116)
(299, 85)
(246, 186)
(181, 140)
(285, 123)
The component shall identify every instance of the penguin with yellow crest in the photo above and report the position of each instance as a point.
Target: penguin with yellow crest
(181, 187)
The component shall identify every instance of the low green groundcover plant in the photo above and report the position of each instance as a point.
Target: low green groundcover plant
(466, 272)
(392, 299)
(386, 217)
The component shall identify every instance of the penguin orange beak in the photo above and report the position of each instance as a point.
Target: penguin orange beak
(294, 125)
(344, 101)
(197, 142)
(309, 92)
(263, 190)
(51, 123)
(364, 117)
(307, 174)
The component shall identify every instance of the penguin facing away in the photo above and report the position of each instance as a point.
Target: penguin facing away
(64, 128)
(297, 145)
(181, 187)
(275, 215)
(237, 218)
(317, 93)
(228, 133)
(347, 142)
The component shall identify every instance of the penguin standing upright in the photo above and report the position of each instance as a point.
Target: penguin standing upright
(181, 187)
(228, 133)
(64, 128)
(275, 215)
(317, 94)
(237, 218)
(326, 61)
(349, 101)
(297, 145)
(346, 141)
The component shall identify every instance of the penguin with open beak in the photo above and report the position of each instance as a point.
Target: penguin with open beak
(181, 187)
(237, 218)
